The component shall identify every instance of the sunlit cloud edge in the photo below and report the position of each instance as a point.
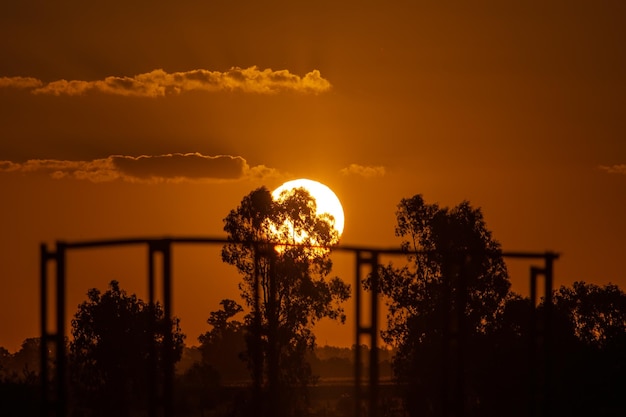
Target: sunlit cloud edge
(159, 83)
(146, 169)
(365, 171)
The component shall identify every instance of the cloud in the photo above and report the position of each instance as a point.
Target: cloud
(170, 168)
(614, 169)
(20, 82)
(364, 171)
(159, 83)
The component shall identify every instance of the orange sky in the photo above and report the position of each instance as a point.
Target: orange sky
(112, 115)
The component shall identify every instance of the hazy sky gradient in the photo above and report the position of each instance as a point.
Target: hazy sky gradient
(125, 119)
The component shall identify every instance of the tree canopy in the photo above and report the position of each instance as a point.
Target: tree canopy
(223, 347)
(450, 251)
(597, 315)
(114, 336)
(452, 291)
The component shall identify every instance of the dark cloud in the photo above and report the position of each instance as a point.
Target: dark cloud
(176, 167)
(190, 166)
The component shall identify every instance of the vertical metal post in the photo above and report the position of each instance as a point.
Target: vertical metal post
(534, 342)
(151, 250)
(541, 354)
(370, 330)
(168, 388)
(153, 385)
(373, 400)
(44, 256)
(358, 394)
(61, 359)
(547, 334)
(167, 376)
(58, 405)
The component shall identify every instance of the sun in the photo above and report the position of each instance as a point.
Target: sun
(325, 199)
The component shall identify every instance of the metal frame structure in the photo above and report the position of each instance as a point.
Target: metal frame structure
(54, 388)
(540, 357)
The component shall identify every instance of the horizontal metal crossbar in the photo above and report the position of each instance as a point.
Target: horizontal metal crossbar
(222, 240)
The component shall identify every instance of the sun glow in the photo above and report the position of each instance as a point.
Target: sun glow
(325, 199)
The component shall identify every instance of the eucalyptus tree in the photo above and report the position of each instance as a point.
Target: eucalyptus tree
(451, 292)
(281, 249)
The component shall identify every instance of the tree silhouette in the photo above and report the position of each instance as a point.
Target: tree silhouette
(281, 243)
(114, 336)
(23, 365)
(597, 314)
(224, 346)
(443, 302)
(590, 350)
(19, 389)
(221, 363)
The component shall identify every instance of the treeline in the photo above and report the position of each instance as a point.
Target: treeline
(201, 384)
(588, 367)
(19, 380)
(328, 364)
(22, 365)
